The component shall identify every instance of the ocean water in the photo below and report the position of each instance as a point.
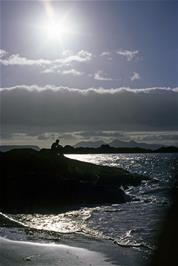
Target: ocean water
(134, 224)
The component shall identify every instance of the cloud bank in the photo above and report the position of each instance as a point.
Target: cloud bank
(94, 108)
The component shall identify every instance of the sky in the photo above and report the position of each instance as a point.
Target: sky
(88, 70)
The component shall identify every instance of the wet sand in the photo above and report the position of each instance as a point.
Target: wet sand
(24, 253)
(84, 252)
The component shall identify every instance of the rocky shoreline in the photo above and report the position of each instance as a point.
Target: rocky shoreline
(43, 181)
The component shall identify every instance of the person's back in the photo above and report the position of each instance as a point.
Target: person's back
(56, 148)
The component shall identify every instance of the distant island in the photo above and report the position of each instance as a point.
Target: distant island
(98, 147)
(108, 149)
(118, 146)
(5, 148)
(116, 143)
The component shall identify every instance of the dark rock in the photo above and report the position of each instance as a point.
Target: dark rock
(40, 180)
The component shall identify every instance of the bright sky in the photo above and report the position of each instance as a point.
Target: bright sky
(85, 45)
(124, 43)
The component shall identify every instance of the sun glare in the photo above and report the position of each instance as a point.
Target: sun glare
(58, 26)
(58, 30)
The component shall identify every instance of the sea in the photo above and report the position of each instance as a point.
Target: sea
(135, 224)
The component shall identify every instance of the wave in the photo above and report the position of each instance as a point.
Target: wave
(132, 245)
(125, 241)
(157, 190)
(6, 221)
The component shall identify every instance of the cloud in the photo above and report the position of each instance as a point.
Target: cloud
(93, 108)
(68, 136)
(67, 53)
(154, 137)
(101, 134)
(100, 75)
(40, 136)
(51, 136)
(160, 136)
(16, 59)
(105, 54)
(97, 90)
(2, 53)
(135, 76)
(128, 54)
(72, 72)
(48, 136)
(81, 56)
(48, 66)
(51, 70)
(43, 138)
(66, 59)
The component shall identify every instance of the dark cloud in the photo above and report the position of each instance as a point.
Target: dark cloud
(47, 136)
(6, 135)
(95, 109)
(101, 134)
(161, 137)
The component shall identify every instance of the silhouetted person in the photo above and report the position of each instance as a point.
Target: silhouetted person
(56, 148)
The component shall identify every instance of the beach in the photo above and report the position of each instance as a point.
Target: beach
(28, 253)
(24, 253)
(23, 246)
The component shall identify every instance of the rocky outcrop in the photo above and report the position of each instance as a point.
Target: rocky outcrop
(41, 180)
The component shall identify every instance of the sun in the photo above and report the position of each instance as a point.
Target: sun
(58, 30)
(57, 26)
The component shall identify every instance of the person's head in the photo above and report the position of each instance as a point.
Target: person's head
(57, 141)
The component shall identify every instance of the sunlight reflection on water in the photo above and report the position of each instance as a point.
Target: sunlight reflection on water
(68, 222)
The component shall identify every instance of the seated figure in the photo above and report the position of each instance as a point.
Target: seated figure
(56, 147)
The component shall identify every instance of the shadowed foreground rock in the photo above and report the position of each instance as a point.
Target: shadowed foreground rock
(41, 181)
